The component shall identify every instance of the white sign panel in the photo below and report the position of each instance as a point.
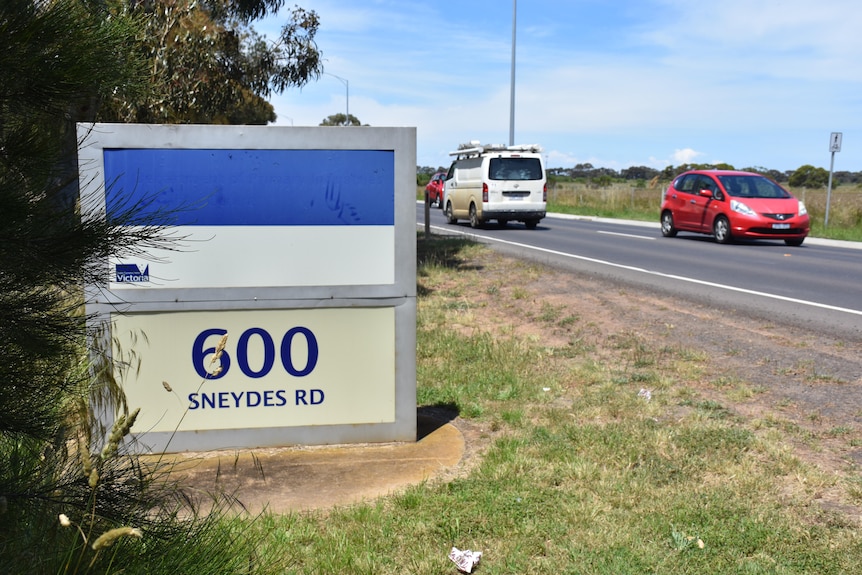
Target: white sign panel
(835, 142)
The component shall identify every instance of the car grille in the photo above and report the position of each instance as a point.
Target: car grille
(778, 217)
(770, 231)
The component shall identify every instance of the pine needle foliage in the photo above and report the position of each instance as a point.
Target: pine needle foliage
(72, 500)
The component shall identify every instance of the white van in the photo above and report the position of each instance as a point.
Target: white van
(503, 183)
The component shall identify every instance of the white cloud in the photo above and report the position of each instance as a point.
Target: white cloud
(657, 163)
(685, 156)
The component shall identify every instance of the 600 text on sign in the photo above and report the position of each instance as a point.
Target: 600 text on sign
(200, 354)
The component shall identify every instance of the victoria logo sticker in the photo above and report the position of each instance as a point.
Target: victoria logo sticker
(131, 273)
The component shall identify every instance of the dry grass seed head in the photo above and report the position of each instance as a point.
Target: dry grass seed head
(107, 539)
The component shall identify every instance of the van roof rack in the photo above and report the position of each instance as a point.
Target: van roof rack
(478, 150)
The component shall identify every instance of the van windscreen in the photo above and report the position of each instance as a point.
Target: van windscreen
(515, 169)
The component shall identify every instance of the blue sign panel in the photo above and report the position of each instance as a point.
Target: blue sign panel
(224, 187)
(127, 273)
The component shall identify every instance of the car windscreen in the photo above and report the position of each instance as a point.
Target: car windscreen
(515, 169)
(752, 187)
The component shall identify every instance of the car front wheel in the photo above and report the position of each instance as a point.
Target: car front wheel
(794, 242)
(667, 228)
(721, 230)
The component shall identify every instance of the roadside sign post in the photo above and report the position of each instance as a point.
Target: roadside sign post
(428, 214)
(834, 146)
(284, 310)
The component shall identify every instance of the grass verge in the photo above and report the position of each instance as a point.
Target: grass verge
(599, 456)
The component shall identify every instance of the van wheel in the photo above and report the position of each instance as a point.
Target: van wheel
(531, 224)
(474, 217)
(502, 223)
(440, 201)
(450, 217)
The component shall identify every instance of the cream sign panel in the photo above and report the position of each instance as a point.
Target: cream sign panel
(278, 368)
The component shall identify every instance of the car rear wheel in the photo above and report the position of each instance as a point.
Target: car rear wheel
(450, 217)
(474, 217)
(721, 230)
(667, 228)
(531, 224)
(794, 241)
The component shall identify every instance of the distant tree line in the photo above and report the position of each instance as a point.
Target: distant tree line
(806, 176)
(341, 120)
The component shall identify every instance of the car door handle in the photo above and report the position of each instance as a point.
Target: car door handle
(693, 201)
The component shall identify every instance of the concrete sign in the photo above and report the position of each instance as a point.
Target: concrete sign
(295, 245)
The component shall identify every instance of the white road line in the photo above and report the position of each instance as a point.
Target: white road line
(625, 235)
(660, 274)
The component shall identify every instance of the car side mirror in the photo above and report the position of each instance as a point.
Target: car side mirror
(706, 193)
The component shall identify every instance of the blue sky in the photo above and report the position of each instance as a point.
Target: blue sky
(612, 83)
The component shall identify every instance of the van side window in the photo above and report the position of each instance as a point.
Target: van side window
(451, 173)
(515, 169)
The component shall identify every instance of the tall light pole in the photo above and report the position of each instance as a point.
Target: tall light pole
(512, 88)
(346, 96)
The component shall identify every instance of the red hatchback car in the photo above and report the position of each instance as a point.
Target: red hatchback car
(434, 189)
(730, 205)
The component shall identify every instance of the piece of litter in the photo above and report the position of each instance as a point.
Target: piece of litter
(465, 560)
(546, 389)
(645, 393)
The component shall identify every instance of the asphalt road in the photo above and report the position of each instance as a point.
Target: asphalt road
(816, 286)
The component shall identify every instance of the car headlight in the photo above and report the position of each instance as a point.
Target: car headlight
(802, 209)
(741, 208)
